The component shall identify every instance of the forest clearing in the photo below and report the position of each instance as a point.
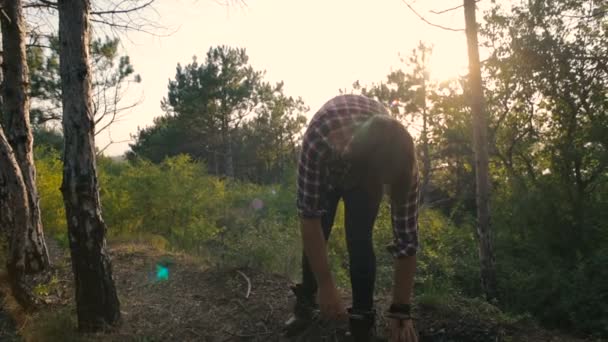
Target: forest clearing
(200, 303)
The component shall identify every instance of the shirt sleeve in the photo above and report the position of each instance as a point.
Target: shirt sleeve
(310, 174)
(405, 222)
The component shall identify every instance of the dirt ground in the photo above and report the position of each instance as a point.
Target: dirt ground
(198, 303)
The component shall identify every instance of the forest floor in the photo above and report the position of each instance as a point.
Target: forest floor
(199, 303)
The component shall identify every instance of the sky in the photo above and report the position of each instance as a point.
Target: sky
(317, 47)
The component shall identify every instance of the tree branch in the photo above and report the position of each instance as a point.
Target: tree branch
(446, 10)
(449, 9)
(248, 283)
(128, 10)
(41, 4)
(38, 45)
(129, 27)
(112, 142)
(428, 22)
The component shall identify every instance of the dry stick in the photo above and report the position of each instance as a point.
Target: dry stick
(269, 313)
(247, 335)
(248, 283)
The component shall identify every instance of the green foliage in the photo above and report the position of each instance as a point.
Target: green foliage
(223, 113)
(43, 289)
(112, 73)
(232, 223)
(49, 170)
(46, 137)
(547, 91)
(177, 205)
(175, 199)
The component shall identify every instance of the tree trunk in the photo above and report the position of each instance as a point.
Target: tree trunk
(229, 158)
(426, 159)
(97, 303)
(228, 162)
(4, 212)
(18, 221)
(480, 142)
(1, 85)
(16, 121)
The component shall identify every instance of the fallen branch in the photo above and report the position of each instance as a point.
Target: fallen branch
(248, 283)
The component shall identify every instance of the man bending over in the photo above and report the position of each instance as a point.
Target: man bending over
(351, 150)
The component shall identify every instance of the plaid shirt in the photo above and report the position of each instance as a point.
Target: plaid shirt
(319, 168)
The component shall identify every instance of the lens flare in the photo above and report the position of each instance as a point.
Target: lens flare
(162, 272)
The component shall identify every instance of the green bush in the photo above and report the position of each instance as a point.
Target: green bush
(231, 223)
(49, 170)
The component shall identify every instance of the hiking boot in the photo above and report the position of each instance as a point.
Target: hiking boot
(305, 312)
(362, 325)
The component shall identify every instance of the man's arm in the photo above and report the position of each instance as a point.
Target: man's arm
(315, 249)
(405, 268)
(405, 225)
(403, 330)
(310, 180)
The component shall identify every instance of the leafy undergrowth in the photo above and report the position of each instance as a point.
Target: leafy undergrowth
(198, 303)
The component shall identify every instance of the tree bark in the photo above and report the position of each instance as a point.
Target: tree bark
(5, 223)
(480, 142)
(16, 121)
(97, 303)
(18, 221)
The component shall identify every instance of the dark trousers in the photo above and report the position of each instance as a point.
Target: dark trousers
(361, 208)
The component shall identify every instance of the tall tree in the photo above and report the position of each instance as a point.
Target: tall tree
(15, 214)
(266, 146)
(480, 145)
(223, 113)
(216, 97)
(97, 303)
(16, 121)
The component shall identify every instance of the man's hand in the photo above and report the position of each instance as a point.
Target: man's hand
(316, 251)
(330, 304)
(402, 331)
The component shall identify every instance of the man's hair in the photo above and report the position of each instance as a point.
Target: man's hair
(382, 152)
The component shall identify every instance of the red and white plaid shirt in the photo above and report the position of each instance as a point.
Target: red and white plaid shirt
(329, 131)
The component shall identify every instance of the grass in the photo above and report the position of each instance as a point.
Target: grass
(59, 325)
